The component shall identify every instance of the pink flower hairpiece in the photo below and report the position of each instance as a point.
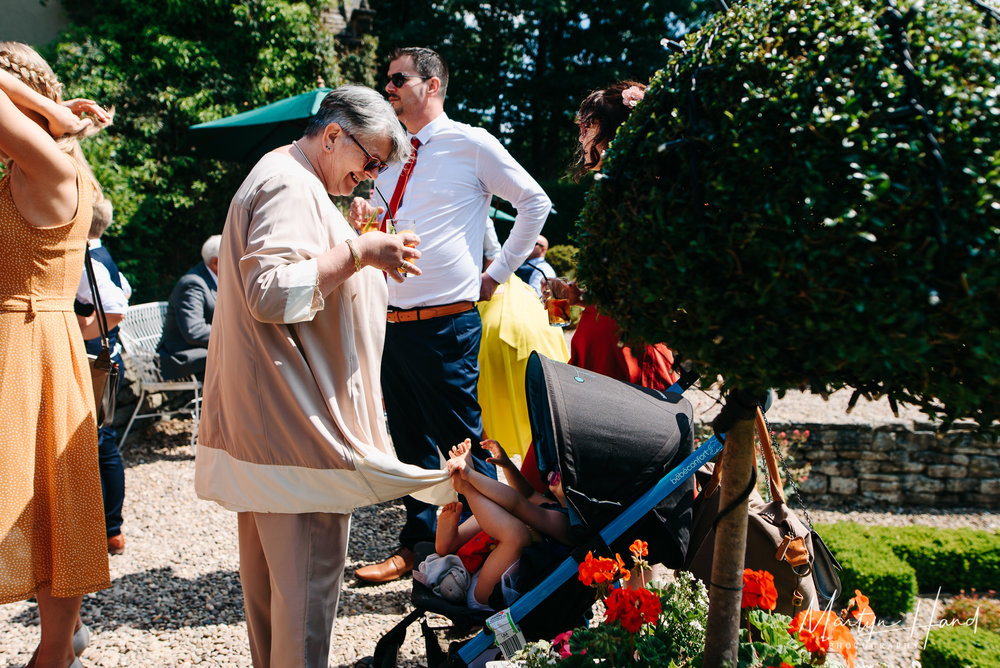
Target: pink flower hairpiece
(632, 95)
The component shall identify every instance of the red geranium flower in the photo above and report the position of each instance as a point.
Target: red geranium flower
(632, 607)
(639, 549)
(597, 570)
(822, 631)
(858, 608)
(759, 590)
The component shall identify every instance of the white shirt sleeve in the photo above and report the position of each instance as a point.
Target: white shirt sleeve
(113, 298)
(504, 177)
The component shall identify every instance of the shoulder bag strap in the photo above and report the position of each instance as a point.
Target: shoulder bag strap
(102, 321)
(767, 450)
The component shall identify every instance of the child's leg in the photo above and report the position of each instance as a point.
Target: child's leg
(550, 522)
(511, 533)
(450, 534)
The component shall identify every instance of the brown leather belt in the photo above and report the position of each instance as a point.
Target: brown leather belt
(428, 312)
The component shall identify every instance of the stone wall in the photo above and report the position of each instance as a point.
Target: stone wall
(896, 465)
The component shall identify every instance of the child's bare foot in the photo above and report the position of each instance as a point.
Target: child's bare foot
(459, 461)
(460, 449)
(449, 514)
(447, 527)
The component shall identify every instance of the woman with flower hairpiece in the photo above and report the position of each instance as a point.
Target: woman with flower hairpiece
(597, 344)
(52, 534)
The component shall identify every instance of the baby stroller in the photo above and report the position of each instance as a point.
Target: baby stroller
(625, 457)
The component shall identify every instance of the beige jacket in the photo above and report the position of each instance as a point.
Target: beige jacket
(292, 420)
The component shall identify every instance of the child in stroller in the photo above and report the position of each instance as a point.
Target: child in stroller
(514, 515)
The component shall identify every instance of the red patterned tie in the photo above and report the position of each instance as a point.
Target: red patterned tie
(404, 178)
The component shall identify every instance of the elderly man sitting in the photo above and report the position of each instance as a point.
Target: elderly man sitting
(535, 268)
(184, 345)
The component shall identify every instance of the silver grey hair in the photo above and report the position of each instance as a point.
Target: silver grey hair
(210, 248)
(365, 114)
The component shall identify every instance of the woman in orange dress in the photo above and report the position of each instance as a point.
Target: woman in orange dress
(52, 542)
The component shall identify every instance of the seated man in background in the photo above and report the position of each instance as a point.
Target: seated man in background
(184, 345)
(536, 268)
(115, 291)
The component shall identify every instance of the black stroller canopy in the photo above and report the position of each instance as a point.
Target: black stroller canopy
(611, 441)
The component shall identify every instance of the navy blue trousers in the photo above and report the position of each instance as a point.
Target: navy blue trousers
(430, 377)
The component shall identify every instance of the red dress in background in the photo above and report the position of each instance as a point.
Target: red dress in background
(596, 347)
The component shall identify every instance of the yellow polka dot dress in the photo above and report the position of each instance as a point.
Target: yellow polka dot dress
(51, 510)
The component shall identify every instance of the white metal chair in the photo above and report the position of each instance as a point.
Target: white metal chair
(140, 334)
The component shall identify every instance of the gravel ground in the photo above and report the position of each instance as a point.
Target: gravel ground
(175, 595)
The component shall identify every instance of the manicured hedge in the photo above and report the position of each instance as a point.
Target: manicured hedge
(890, 564)
(952, 559)
(871, 567)
(961, 647)
(792, 205)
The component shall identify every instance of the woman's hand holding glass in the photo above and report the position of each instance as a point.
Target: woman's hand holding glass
(563, 289)
(392, 253)
(361, 214)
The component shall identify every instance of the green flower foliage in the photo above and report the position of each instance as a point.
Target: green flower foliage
(165, 66)
(808, 196)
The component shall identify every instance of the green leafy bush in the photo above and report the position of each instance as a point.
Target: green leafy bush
(961, 647)
(562, 257)
(870, 566)
(791, 206)
(890, 564)
(168, 65)
(952, 559)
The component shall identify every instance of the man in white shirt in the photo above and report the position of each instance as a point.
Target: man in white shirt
(430, 366)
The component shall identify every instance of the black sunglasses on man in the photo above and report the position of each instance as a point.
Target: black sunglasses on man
(398, 79)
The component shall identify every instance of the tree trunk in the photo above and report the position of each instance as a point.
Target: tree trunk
(725, 595)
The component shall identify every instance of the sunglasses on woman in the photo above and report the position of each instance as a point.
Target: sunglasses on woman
(373, 162)
(399, 79)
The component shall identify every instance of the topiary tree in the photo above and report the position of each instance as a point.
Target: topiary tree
(808, 197)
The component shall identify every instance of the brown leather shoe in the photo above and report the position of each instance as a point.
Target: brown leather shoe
(116, 544)
(396, 566)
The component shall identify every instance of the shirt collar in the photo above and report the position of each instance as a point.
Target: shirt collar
(94, 243)
(432, 128)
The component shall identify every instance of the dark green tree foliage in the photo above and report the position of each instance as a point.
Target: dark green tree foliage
(792, 205)
(164, 66)
(520, 68)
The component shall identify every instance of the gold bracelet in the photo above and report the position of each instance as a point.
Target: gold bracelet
(354, 254)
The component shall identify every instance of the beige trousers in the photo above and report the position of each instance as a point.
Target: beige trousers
(291, 570)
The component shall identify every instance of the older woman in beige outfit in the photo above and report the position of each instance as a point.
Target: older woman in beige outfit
(293, 436)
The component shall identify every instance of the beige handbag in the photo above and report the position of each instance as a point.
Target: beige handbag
(777, 541)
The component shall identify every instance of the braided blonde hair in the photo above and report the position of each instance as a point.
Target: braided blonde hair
(27, 65)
